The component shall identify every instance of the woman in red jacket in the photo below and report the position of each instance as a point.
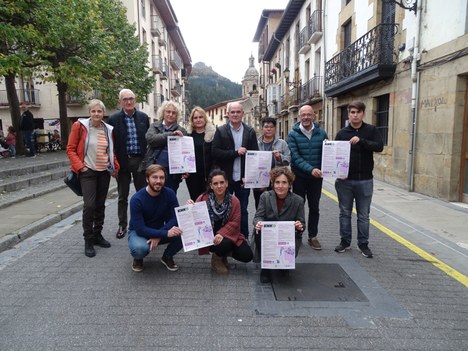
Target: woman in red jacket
(224, 211)
(91, 152)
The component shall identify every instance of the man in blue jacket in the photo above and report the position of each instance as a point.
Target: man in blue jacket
(305, 142)
(153, 221)
(365, 139)
(130, 126)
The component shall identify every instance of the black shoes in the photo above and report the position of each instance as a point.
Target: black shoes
(100, 241)
(366, 252)
(137, 265)
(89, 248)
(121, 232)
(169, 263)
(265, 276)
(343, 246)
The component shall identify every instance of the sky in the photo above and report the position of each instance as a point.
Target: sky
(220, 33)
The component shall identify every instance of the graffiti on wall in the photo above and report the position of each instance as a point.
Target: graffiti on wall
(433, 102)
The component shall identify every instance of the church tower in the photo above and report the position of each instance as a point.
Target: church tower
(250, 80)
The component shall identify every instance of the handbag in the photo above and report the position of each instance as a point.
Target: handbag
(73, 182)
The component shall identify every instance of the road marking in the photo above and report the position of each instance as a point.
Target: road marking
(463, 279)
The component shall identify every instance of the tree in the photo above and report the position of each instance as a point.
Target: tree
(126, 62)
(82, 45)
(17, 34)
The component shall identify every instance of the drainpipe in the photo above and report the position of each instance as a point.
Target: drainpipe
(324, 55)
(414, 98)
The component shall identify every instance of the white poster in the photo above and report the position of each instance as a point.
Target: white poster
(181, 155)
(194, 221)
(335, 159)
(278, 245)
(257, 169)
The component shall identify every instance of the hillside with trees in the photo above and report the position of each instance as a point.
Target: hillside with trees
(208, 87)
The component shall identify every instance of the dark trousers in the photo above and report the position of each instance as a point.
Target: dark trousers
(243, 195)
(312, 188)
(242, 253)
(27, 135)
(196, 185)
(123, 185)
(94, 186)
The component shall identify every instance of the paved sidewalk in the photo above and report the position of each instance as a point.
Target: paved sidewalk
(52, 297)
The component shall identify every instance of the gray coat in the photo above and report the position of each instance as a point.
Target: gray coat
(281, 146)
(293, 209)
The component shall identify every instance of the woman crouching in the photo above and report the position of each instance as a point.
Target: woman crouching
(224, 211)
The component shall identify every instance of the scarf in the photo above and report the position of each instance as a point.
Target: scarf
(219, 212)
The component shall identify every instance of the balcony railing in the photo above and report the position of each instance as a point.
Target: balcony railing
(176, 87)
(314, 25)
(158, 64)
(312, 90)
(368, 59)
(304, 46)
(30, 96)
(155, 26)
(175, 60)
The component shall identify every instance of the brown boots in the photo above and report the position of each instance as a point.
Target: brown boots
(219, 264)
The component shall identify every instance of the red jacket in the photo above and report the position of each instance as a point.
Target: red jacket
(231, 230)
(78, 140)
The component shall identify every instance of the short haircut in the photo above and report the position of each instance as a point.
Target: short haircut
(123, 91)
(266, 120)
(358, 105)
(96, 102)
(229, 105)
(278, 171)
(216, 172)
(153, 169)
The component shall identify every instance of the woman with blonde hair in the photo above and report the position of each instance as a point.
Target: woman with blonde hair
(156, 137)
(202, 131)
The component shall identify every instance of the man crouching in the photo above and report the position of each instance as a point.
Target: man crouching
(153, 221)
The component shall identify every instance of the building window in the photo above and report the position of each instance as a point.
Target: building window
(143, 8)
(383, 105)
(346, 34)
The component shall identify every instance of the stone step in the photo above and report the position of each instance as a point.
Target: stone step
(28, 169)
(37, 179)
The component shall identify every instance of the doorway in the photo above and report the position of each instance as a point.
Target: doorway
(464, 153)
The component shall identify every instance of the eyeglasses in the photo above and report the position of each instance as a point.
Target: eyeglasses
(268, 126)
(130, 99)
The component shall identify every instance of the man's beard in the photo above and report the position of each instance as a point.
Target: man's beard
(154, 188)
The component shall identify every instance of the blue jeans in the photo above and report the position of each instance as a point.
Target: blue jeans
(139, 248)
(359, 191)
(27, 135)
(243, 195)
(312, 188)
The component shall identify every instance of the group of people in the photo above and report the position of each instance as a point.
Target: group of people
(27, 128)
(128, 147)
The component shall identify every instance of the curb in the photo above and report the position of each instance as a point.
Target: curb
(8, 241)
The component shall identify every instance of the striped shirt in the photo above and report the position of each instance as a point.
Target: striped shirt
(96, 156)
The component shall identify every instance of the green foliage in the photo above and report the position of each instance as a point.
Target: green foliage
(208, 88)
(81, 45)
